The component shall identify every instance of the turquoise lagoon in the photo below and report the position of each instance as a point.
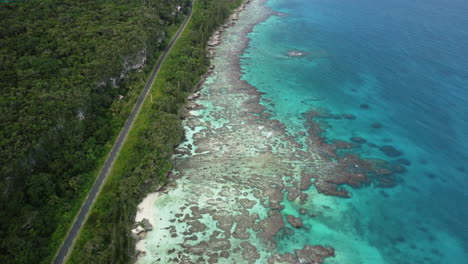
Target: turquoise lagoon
(401, 64)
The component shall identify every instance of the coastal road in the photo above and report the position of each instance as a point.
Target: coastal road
(75, 229)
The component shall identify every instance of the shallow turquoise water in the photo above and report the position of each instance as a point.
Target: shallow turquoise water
(406, 61)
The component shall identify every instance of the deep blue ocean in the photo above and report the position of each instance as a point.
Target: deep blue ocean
(404, 65)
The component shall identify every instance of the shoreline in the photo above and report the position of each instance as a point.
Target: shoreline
(146, 208)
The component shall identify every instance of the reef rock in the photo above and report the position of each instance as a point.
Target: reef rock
(358, 140)
(364, 106)
(146, 224)
(249, 251)
(307, 255)
(295, 221)
(376, 125)
(404, 162)
(390, 151)
(329, 188)
(349, 116)
(314, 254)
(271, 225)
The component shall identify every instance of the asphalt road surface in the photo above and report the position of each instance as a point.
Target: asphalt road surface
(68, 243)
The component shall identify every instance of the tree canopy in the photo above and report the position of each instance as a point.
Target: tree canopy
(64, 66)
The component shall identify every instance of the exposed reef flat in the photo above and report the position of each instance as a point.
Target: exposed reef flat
(225, 202)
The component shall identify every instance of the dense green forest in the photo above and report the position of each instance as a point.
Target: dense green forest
(64, 67)
(145, 159)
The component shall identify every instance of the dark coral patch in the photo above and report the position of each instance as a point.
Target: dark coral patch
(309, 254)
(293, 193)
(358, 140)
(340, 144)
(243, 223)
(329, 188)
(294, 221)
(271, 225)
(387, 181)
(349, 116)
(314, 254)
(346, 168)
(397, 168)
(306, 181)
(384, 194)
(400, 239)
(376, 125)
(249, 252)
(364, 106)
(390, 151)
(404, 162)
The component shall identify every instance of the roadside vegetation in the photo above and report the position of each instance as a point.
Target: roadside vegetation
(70, 73)
(145, 158)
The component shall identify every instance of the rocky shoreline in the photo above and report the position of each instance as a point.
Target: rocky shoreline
(142, 225)
(213, 42)
(215, 39)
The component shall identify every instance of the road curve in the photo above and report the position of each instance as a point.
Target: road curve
(73, 232)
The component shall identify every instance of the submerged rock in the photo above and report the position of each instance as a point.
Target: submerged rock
(358, 140)
(307, 255)
(249, 251)
(376, 125)
(295, 221)
(397, 168)
(282, 258)
(329, 188)
(390, 151)
(387, 181)
(271, 225)
(349, 116)
(314, 254)
(339, 144)
(404, 162)
(364, 106)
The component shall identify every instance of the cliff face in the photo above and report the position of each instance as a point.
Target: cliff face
(64, 67)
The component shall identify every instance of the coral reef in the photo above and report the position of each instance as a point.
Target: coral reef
(238, 167)
(390, 151)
